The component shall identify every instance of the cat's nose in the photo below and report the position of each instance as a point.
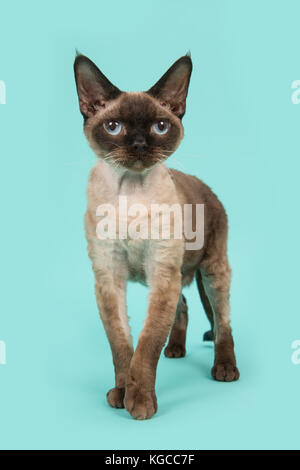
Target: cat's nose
(139, 144)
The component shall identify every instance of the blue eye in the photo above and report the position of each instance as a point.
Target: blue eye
(161, 127)
(113, 127)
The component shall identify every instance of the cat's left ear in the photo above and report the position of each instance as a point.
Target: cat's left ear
(172, 88)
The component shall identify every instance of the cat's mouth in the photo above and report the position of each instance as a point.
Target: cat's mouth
(137, 163)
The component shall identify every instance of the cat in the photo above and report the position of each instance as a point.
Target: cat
(132, 134)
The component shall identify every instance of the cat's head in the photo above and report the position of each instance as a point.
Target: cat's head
(132, 131)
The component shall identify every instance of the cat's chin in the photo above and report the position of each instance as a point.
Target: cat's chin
(137, 166)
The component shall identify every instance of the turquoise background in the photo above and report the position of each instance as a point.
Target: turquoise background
(242, 138)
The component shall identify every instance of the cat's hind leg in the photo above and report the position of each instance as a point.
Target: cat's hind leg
(176, 344)
(216, 275)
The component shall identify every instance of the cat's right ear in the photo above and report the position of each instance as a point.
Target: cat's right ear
(93, 88)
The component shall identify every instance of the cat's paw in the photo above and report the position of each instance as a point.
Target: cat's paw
(175, 350)
(208, 336)
(225, 372)
(139, 403)
(115, 397)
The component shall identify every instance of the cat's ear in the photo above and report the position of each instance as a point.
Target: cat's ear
(93, 88)
(172, 88)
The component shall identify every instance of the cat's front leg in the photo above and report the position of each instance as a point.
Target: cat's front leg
(110, 295)
(110, 288)
(140, 398)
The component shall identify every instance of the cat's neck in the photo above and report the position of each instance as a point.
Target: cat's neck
(126, 180)
(107, 184)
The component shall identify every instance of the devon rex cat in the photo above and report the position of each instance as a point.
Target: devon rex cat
(133, 134)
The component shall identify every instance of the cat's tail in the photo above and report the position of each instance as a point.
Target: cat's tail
(209, 335)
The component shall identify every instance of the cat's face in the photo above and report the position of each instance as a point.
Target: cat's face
(132, 131)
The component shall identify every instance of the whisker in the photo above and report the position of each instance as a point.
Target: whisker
(179, 163)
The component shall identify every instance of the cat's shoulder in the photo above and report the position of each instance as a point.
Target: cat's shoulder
(194, 189)
(189, 183)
